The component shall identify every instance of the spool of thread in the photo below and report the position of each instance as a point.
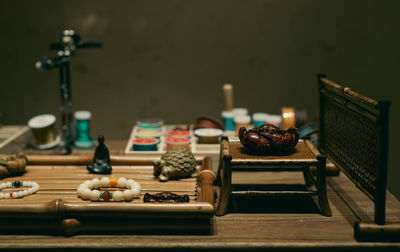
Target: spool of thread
(208, 135)
(227, 90)
(275, 120)
(145, 144)
(177, 142)
(43, 130)
(148, 134)
(260, 119)
(288, 117)
(179, 133)
(82, 125)
(240, 111)
(228, 121)
(150, 124)
(242, 120)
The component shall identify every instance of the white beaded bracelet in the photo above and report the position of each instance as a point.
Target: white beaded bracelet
(34, 187)
(85, 189)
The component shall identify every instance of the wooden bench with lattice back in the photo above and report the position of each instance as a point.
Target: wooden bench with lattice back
(354, 136)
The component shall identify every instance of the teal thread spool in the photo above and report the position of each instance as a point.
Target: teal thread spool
(145, 144)
(260, 119)
(150, 124)
(227, 119)
(82, 123)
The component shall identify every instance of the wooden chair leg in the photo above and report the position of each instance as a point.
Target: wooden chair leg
(321, 187)
(307, 176)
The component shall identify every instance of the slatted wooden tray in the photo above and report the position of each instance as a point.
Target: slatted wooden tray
(56, 208)
(211, 150)
(195, 147)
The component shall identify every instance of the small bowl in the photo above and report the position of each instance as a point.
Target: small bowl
(208, 135)
(148, 134)
(177, 142)
(145, 144)
(179, 133)
(150, 124)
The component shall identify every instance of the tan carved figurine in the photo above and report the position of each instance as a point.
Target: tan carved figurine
(178, 162)
(10, 164)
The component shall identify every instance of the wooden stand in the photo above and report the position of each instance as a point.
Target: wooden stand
(234, 158)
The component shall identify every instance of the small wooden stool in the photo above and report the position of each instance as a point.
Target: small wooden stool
(233, 156)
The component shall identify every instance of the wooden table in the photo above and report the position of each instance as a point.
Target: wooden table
(234, 158)
(272, 225)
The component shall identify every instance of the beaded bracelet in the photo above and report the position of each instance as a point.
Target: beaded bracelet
(34, 187)
(85, 189)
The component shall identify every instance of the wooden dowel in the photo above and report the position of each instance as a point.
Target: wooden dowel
(349, 92)
(312, 147)
(225, 147)
(331, 84)
(59, 159)
(54, 208)
(373, 232)
(274, 193)
(73, 226)
(228, 96)
(206, 163)
(88, 159)
(206, 179)
(130, 160)
(331, 170)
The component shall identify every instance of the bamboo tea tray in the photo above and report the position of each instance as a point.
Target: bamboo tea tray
(57, 209)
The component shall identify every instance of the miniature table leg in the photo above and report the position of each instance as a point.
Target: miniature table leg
(307, 176)
(225, 178)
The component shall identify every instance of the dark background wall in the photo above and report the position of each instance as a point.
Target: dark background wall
(168, 59)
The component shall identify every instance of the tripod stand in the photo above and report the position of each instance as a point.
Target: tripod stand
(70, 41)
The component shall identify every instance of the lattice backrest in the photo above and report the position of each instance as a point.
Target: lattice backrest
(354, 135)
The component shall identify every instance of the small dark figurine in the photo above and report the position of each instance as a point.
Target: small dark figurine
(268, 138)
(101, 161)
(165, 197)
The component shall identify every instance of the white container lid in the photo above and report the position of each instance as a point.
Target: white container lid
(227, 114)
(260, 117)
(82, 115)
(242, 119)
(240, 111)
(274, 119)
(208, 132)
(41, 121)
